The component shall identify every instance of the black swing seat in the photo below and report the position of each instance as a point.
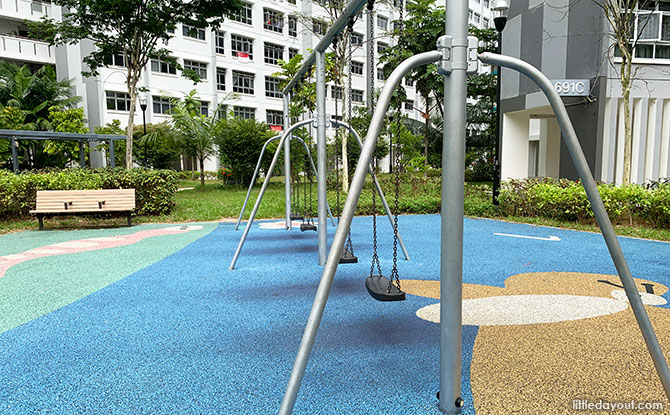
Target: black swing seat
(348, 258)
(307, 227)
(381, 289)
(295, 216)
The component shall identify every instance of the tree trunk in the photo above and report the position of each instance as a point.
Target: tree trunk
(131, 82)
(202, 172)
(628, 139)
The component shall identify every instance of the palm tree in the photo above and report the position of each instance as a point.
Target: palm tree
(195, 132)
(33, 94)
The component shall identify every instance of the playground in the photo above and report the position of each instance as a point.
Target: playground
(149, 319)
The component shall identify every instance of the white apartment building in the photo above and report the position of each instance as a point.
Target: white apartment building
(239, 58)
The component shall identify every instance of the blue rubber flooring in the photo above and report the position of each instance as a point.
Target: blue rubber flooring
(186, 335)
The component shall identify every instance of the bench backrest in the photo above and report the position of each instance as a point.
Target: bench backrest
(85, 200)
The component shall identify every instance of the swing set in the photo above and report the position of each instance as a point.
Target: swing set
(456, 56)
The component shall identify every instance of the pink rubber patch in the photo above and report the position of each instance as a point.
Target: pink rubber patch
(83, 245)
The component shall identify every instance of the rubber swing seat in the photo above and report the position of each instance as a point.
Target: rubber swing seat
(296, 217)
(307, 227)
(348, 258)
(380, 288)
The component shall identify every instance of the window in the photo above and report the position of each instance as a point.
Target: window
(356, 95)
(161, 66)
(652, 31)
(243, 82)
(356, 39)
(292, 26)
(291, 53)
(471, 15)
(117, 59)
(220, 79)
(242, 46)
(382, 22)
(409, 105)
(356, 68)
(199, 68)
(204, 108)
(486, 3)
(117, 101)
(487, 23)
(319, 27)
(409, 82)
(381, 47)
(273, 53)
(292, 1)
(193, 32)
(273, 117)
(380, 74)
(272, 87)
(222, 111)
(243, 15)
(477, 18)
(220, 42)
(273, 20)
(246, 113)
(336, 92)
(161, 105)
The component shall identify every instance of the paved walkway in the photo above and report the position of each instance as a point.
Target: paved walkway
(160, 326)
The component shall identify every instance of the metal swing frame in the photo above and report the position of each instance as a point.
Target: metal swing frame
(456, 57)
(258, 167)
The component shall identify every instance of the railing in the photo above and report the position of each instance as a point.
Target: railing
(24, 49)
(25, 9)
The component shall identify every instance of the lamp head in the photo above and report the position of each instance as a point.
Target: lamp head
(143, 102)
(500, 9)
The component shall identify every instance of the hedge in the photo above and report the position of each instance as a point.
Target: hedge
(566, 200)
(154, 189)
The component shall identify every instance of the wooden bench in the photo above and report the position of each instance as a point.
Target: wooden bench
(76, 202)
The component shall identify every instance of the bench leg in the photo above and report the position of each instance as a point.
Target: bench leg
(129, 220)
(40, 219)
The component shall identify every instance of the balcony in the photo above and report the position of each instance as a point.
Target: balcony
(26, 50)
(24, 9)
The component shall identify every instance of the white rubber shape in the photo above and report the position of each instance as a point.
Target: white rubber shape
(647, 298)
(528, 309)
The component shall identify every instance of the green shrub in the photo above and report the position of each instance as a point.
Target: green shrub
(566, 200)
(154, 189)
(240, 142)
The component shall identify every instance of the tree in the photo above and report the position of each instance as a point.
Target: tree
(620, 16)
(195, 132)
(240, 142)
(66, 120)
(418, 33)
(132, 28)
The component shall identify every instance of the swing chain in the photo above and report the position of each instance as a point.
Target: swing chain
(394, 277)
(350, 27)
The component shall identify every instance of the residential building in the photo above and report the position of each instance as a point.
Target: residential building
(569, 41)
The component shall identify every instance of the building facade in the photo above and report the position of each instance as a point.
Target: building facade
(237, 62)
(568, 40)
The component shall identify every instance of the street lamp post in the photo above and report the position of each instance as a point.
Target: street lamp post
(143, 106)
(500, 9)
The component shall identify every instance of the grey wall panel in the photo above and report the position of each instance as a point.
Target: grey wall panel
(531, 45)
(658, 126)
(585, 120)
(584, 58)
(513, 104)
(601, 100)
(642, 119)
(511, 45)
(555, 39)
(517, 7)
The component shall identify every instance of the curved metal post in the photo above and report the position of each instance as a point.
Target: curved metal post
(253, 179)
(322, 200)
(376, 183)
(345, 222)
(273, 164)
(597, 205)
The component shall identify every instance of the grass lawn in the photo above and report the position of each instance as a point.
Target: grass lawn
(417, 195)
